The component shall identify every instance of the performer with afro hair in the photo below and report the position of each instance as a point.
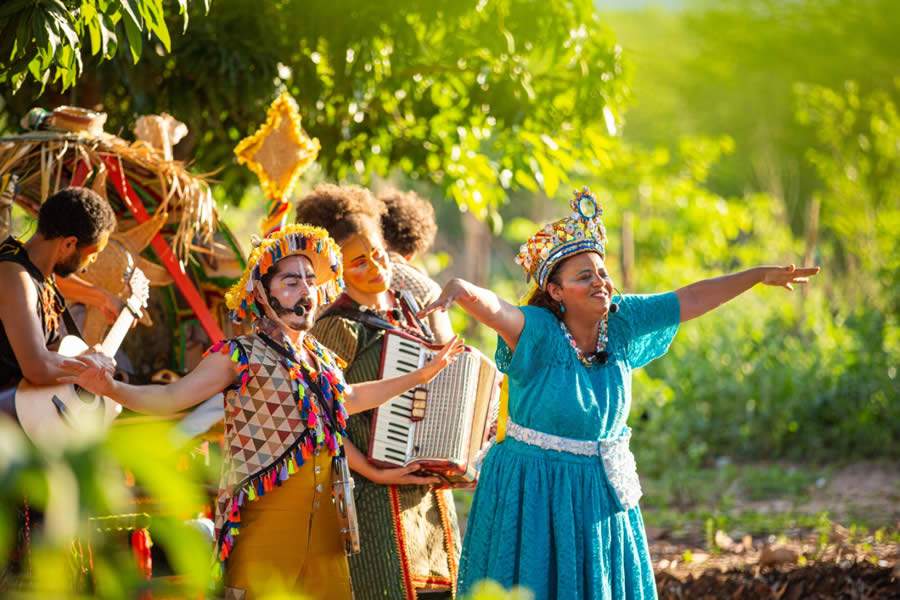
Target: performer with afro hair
(408, 531)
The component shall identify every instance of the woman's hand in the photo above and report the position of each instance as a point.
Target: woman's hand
(402, 476)
(787, 276)
(442, 359)
(453, 291)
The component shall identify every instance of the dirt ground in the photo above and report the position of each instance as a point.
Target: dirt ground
(807, 566)
(830, 562)
(870, 489)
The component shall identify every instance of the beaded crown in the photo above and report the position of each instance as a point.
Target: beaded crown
(581, 231)
(312, 242)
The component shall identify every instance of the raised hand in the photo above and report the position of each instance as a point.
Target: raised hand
(787, 276)
(442, 359)
(454, 289)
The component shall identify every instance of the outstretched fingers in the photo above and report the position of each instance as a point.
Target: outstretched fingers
(439, 304)
(451, 350)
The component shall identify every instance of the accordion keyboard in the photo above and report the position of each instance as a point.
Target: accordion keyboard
(393, 436)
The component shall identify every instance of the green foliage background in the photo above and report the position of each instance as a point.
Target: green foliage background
(715, 127)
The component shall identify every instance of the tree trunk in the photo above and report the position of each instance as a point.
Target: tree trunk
(627, 253)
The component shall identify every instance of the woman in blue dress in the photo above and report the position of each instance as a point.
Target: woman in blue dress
(556, 507)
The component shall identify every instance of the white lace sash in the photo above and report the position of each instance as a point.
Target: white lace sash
(615, 454)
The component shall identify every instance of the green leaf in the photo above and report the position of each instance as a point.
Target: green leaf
(156, 23)
(132, 12)
(44, 34)
(93, 26)
(510, 41)
(526, 180)
(88, 10)
(23, 33)
(10, 8)
(64, 27)
(183, 10)
(34, 67)
(135, 43)
(108, 36)
(550, 172)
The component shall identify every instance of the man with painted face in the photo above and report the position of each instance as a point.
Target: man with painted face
(408, 532)
(286, 405)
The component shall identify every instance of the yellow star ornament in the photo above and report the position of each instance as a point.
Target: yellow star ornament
(280, 151)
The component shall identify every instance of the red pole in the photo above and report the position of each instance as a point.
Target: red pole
(163, 251)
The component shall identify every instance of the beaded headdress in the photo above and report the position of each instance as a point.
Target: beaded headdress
(312, 242)
(581, 231)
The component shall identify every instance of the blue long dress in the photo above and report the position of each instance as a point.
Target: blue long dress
(549, 520)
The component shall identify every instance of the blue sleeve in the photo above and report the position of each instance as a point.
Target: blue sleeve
(651, 321)
(523, 360)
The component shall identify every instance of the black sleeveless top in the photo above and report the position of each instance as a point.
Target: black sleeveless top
(49, 309)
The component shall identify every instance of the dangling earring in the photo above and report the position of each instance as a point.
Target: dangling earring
(562, 307)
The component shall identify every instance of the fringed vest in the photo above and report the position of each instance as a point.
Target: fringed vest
(274, 420)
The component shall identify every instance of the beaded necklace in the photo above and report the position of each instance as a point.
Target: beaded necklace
(327, 383)
(393, 315)
(600, 355)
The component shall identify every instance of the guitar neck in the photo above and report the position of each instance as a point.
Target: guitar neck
(117, 333)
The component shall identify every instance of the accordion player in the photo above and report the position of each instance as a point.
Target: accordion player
(443, 425)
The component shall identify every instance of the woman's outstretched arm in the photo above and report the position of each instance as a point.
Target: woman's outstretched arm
(701, 297)
(484, 305)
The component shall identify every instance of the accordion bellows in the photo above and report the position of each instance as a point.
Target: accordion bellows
(461, 404)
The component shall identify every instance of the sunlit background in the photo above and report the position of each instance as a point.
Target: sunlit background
(717, 135)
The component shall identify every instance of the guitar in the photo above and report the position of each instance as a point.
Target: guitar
(58, 415)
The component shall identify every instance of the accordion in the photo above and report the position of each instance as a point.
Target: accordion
(443, 425)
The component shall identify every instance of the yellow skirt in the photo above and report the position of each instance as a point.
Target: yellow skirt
(289, 541)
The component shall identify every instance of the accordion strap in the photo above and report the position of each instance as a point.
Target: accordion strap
(354, 314)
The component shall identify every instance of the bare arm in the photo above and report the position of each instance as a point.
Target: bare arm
(23, 328)
(214, 373)
(703, 296)
(441, 326)
(371, 394)
(399, 476)
(485, 306)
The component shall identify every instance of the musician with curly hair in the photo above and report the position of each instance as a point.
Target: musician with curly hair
(408, 531)
(409, 228)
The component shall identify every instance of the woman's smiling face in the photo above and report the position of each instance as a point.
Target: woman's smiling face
(367, 267)
(583, 285)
